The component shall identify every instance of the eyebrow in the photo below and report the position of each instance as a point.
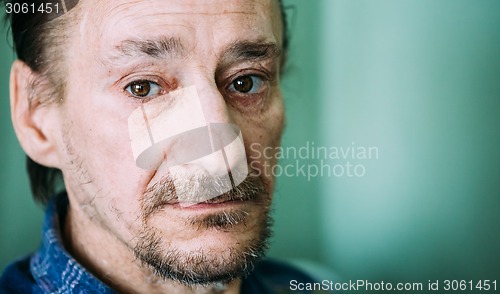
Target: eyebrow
(252, 51)
(168, 47)
(154, 48)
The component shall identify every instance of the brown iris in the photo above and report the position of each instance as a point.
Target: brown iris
(140, 88)
(243, 84)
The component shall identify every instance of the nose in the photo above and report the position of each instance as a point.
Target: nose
(213, 104)
(228, 156)
(190, 130)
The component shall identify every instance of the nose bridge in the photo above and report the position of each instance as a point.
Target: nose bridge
(212, 101)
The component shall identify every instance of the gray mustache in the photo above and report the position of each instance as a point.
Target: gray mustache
(193, 187)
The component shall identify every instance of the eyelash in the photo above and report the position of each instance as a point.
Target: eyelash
(251, 97)
(230, 92)
(152, 84)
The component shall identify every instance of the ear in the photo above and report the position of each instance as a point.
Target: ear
(33, 121)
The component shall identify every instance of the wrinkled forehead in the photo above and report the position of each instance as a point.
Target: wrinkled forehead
(106, 23)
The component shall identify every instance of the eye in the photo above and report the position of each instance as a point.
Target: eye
(143, 89)
(249, 84)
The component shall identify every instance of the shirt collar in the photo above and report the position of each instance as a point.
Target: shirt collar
(52, 267)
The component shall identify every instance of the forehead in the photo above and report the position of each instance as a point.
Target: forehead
(106, 23)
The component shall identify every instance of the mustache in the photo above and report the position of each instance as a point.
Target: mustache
(193, 187)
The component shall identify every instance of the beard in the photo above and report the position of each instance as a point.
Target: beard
(206, 266)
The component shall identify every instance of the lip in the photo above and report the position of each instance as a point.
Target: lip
(208, 205)
(214, 201)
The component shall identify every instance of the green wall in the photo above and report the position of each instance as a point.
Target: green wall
(296, 200)
(421, 81)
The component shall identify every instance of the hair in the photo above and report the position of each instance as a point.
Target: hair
(38, 40)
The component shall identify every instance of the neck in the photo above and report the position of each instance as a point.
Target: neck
(114, 263)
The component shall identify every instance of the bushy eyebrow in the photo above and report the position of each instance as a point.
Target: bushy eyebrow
(169, 47)
(155, 48)
(251, 51)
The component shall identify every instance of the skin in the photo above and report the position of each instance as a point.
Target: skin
(87, 136)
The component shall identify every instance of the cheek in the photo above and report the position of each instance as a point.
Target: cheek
(99, 134)
(262, 134)
(100, 168)
(99, 119)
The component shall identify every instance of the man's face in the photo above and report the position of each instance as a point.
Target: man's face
(125, 54)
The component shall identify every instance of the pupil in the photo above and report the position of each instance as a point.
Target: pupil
(141, 89)
(243, 84)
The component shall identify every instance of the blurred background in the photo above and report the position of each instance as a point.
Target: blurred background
(419, 81)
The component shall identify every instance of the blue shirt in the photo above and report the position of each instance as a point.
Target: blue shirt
(51, 269)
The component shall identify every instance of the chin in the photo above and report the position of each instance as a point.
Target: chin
(208, 248)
